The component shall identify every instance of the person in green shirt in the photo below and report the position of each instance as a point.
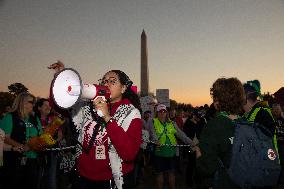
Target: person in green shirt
(20, 125)
(216, 139)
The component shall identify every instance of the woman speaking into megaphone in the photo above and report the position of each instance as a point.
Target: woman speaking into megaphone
(109, 148)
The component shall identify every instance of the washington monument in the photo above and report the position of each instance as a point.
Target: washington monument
(144, 66)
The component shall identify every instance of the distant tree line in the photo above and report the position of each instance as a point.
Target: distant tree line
(7, 98)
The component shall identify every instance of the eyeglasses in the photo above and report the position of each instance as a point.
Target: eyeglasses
(111, 81)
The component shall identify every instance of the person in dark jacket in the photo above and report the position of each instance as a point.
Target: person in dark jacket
(21, 126)
(256, 111)
(217, 137)
(192, 128)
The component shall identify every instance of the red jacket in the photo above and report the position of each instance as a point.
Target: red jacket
(126, 144)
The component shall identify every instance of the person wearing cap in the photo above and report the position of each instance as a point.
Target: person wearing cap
(255, 110)
(164, 135)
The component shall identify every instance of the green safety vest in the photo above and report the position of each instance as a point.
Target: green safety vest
(165, 130)
(251, 118)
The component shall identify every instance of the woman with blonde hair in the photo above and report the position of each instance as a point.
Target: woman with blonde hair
(20, 125)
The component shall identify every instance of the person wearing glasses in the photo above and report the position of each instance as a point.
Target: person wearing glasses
(111, 143)
(20, 125)
(165, 133)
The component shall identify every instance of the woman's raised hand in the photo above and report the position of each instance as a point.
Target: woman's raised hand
(57, 66)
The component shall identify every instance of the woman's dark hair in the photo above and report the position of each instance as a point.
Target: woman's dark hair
(129, 93)
(38, 104)
(229, 95)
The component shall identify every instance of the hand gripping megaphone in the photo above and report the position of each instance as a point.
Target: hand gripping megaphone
(67, 89)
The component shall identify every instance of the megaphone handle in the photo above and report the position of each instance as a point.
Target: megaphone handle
(103, 97)
(100, 113)
(97, 115)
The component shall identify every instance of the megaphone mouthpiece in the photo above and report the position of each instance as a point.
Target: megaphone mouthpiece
(89, 91)
(93, 91)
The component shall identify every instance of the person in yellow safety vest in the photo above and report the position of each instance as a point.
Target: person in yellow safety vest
(256, 110)
(164, 135)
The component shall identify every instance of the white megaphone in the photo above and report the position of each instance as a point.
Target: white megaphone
(67, 89)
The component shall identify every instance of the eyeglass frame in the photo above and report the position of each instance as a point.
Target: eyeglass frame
(111, 80)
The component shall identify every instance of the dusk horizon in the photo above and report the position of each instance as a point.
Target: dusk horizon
(190, 43)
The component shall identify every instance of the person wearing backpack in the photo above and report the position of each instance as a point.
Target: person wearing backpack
(258, 112)
(216, 139)
(255, 110)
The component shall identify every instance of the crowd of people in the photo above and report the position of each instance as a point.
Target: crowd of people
(107, 143)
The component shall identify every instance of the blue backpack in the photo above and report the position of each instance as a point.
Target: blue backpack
(254, 161)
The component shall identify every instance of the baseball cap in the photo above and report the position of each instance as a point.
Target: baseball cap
(252, 86)
(161, 107)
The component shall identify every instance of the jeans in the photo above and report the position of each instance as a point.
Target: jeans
(50, 171)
